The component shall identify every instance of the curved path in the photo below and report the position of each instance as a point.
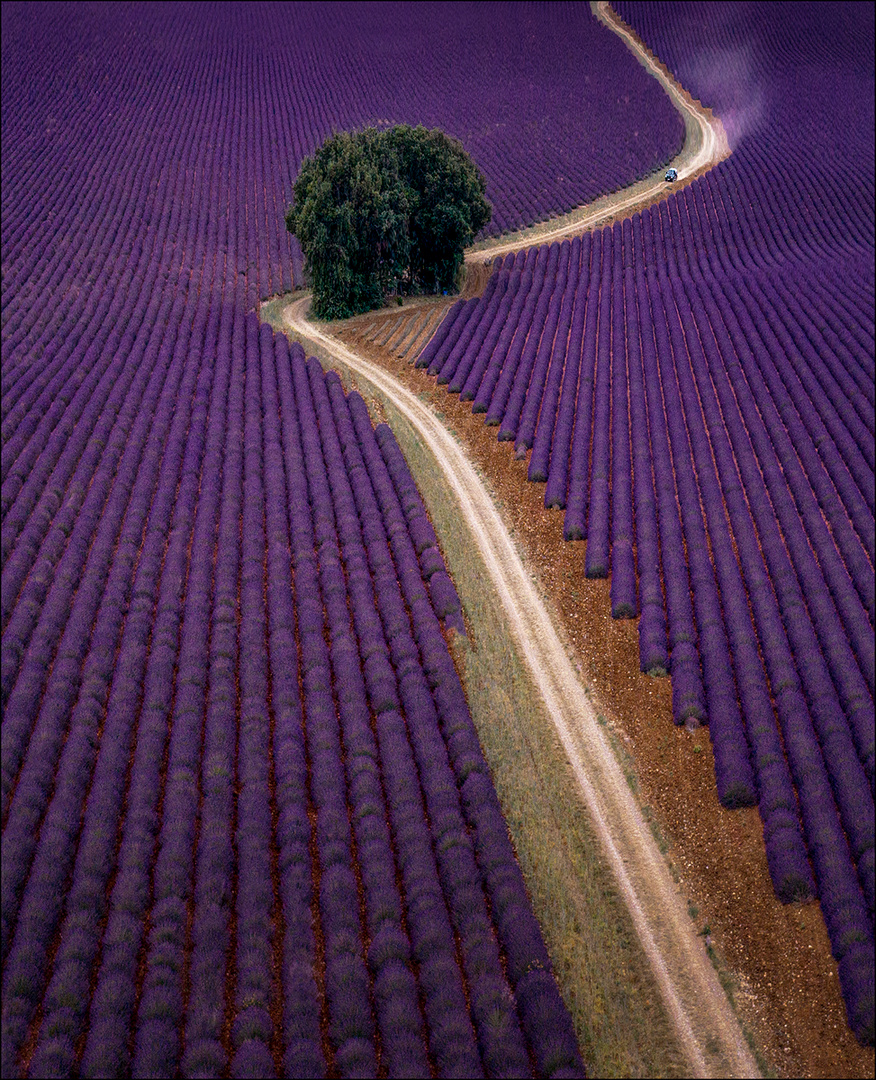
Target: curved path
(705, 1024)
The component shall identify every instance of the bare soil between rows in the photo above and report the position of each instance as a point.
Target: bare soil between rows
(784, 980)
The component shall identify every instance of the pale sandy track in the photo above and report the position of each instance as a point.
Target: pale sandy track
(706, 1026)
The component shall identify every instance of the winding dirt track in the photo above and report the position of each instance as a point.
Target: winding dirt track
(705, 145)
(705, 1024)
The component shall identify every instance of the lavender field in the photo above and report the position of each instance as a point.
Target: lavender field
(695, 386)
(248, 828)
(247, 825)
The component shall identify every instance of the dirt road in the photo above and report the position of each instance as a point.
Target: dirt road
(706, 1026)
(705, 144)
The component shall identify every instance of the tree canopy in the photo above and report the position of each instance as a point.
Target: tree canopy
(382, 212)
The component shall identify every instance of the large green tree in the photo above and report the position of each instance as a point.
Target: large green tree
(385, 212)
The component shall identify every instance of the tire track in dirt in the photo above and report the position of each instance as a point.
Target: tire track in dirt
(705, 1024)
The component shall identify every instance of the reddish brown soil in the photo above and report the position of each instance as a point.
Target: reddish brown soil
(785, 982)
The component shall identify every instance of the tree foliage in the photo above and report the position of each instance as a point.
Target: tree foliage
(378, 212)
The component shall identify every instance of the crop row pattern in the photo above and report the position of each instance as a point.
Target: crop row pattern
(263, 789)
(247, 825)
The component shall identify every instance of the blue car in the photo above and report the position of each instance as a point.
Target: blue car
(671, 174)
